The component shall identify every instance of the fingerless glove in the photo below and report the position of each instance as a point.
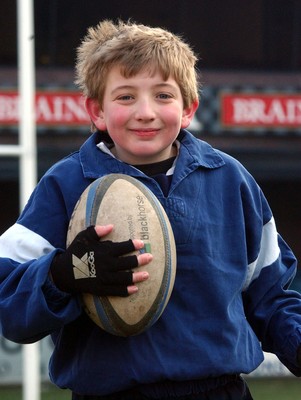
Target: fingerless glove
(92, 266)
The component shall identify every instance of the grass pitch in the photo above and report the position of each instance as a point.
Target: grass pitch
(261, 389)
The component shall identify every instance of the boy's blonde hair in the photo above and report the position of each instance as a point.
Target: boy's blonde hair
(134, 47)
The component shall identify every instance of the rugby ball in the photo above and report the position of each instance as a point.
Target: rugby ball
(135, 213)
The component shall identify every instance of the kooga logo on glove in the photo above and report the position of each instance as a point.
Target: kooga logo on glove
(84, 267)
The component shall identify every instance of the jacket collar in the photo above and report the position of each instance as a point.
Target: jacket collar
(194, 153)
(201, 153)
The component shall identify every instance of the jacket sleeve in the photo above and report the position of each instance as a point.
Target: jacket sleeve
(31, 307)
(272, 309)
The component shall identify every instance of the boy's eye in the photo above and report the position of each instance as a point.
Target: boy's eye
(125, 97)
(164, 96)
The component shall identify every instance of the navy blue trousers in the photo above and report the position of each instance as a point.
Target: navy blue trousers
(229, 387)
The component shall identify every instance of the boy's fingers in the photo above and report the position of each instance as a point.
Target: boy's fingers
(138, 244)
(140, 276)
(144, 258)
(103, 230)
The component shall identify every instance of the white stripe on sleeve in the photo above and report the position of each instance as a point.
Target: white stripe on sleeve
(268, 253)
(21, 244)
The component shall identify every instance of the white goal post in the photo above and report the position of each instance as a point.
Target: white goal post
(26, 151)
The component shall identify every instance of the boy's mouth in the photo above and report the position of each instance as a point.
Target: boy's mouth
(145, 132)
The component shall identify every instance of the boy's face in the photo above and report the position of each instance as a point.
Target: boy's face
(142, 114)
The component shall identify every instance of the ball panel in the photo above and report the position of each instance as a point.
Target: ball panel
(77, 221)
(136, 213)
(135, 218)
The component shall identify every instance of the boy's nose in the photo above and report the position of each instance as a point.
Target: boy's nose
(144, 110)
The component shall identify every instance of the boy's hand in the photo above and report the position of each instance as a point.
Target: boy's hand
(92, 266)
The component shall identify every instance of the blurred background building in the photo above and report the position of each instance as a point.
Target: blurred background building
(250, 69)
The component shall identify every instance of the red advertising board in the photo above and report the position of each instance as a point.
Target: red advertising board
(52, 108)
(249, 110)
(260, 110)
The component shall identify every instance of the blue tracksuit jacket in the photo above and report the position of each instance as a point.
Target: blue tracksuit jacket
(230, 299)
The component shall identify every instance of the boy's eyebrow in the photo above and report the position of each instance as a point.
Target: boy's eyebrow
(165, 84)
(122, 87)
(130, 87)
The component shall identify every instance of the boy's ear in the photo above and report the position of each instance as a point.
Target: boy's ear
(188, 114)
(95, 112)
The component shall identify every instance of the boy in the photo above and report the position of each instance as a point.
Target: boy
(231, 296)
